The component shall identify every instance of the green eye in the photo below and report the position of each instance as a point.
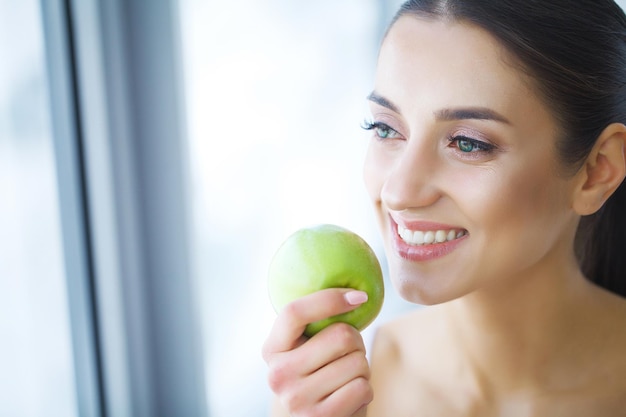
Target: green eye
(381, 130)
(465, 145)
(468, 145)
(384, 132)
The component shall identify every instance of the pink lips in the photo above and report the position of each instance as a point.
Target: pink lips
(427, 251)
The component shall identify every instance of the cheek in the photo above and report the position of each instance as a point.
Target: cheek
(534, 196)
(509, 192)
(476, 190)
(517, 210)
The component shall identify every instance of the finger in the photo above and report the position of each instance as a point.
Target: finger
(306, 393)
(333, 342)
(336, 374)
(289, 326)
(348, 399)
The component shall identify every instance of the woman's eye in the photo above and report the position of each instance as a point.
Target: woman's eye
(468, 145)
(381, 130)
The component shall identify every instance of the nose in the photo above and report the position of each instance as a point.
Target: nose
(412, 181)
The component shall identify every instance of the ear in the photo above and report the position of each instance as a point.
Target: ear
(603, 170)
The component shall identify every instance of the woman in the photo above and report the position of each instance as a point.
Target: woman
(496, 170)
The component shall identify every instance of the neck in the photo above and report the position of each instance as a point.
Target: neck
(512, 337)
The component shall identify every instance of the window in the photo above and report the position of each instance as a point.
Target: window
(36, 354)
(275, 97)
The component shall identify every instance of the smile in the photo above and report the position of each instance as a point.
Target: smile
(429, 237)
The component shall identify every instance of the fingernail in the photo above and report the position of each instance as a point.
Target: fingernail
(355, 297)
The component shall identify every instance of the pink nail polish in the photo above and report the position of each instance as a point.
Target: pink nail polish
(355, 297)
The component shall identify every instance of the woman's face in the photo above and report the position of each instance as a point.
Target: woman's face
(461, 167)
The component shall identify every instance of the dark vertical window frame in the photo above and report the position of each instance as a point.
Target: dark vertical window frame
(78, 260)
(69, 160)
(121, 154)
(116, 240)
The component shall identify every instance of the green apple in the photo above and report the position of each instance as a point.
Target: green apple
(327, 256)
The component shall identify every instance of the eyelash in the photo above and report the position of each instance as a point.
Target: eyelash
(377, 127)
(477, 146)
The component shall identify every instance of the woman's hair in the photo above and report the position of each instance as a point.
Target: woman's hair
(574, 52)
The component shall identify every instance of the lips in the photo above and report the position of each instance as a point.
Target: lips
(424, 241)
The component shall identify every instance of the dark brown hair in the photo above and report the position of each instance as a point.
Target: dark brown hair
(575, 53)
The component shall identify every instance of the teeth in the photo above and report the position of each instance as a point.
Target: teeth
(419, 237)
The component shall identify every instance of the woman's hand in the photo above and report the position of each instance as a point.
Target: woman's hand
(328, 374)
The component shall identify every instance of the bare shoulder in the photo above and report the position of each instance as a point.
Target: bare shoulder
(404, 338)
(402, 353)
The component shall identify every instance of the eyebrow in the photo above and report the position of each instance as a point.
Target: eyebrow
(475, 113)
(382, 101)
(460, 113)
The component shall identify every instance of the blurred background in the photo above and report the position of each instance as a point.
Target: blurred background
(275, 98)
(269, 100)
(153, 156)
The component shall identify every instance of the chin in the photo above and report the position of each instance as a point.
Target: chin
(426, 291)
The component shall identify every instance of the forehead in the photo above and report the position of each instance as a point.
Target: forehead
(438, 63)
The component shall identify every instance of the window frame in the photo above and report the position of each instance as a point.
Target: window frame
(118, 125)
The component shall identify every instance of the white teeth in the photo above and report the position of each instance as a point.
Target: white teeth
(419, 237)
